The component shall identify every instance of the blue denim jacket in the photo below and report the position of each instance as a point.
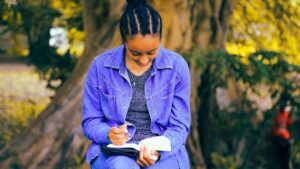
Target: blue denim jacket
(107, 94)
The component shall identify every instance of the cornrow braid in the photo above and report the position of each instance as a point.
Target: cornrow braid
(150, 22)
(139, 18)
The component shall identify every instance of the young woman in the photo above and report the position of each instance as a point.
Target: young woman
(136, 91)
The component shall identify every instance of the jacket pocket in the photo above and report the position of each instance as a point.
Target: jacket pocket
(163, 104)
(108, 103)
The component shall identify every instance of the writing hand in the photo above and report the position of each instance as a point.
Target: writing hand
(118, 135)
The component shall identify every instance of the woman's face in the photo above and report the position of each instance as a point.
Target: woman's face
(141, 50)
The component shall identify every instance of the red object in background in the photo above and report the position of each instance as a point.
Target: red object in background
(280, 123)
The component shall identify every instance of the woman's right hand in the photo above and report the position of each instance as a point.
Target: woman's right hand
(118, 135)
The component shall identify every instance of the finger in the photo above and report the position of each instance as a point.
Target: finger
(118, 130)
(141, 152)
(119, 136)
(116, 138)
(112, 136)
(144, 156)
(143, 163)
(147, 158)
(124, 128)
(115, 130)
(146, 153)
(111, 130)
(118, 141)
(140, 163)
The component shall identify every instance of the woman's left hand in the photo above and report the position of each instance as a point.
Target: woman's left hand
(144, 158)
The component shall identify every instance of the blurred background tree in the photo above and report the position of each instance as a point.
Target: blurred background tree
(242, 56)
(39, 30)
(265, 25)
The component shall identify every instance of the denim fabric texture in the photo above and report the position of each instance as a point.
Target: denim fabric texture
(107, 95)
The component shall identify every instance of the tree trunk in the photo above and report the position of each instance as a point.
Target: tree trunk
(210, 23)
(55, 139)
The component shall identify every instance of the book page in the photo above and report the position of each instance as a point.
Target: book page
(159, 143)
(127, 145)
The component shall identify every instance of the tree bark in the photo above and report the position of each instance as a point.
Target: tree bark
(55, 139)
(209, 23)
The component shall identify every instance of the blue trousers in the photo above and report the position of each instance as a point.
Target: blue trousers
(124, 162)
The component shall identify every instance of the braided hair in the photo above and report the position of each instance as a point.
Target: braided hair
(139, 18)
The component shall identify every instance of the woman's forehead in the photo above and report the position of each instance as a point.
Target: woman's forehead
(143, 43)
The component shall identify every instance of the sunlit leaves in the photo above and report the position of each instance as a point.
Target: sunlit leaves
(266, 25)
(11, 2)
(23, 96)
(68, 8)
(76, 38)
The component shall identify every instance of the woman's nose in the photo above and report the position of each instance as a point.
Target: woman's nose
(144, 60)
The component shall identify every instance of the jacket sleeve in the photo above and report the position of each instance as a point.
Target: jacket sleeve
(180, 118)
(94, 123)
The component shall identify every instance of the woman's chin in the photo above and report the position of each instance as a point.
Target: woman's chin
(143, 65)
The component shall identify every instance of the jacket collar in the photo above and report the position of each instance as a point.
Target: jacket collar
(116, 60)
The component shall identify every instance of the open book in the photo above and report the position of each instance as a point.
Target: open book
(158, 143)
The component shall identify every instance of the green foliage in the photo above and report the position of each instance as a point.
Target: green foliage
(221, 162)
(34, 19)
(242, 121)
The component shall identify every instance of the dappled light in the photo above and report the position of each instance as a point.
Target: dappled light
(23, 96)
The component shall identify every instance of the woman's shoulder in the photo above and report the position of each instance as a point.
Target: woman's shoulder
(174, 57)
